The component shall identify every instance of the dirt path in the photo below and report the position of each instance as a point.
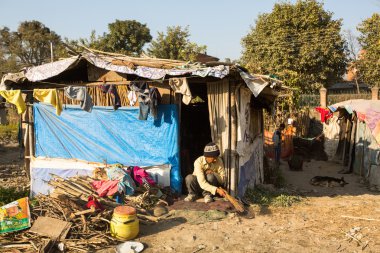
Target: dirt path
(12, 173)
(317, 224)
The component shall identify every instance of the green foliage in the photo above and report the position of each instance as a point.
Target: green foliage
(8, 195)
(8, 63)
(30, 44)
(127, 37)
(368, 64)
(124, 36)
(175, 44)
(266, 198)
(298, 42)
(9, 133)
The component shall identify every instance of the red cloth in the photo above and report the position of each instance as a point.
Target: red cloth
(325, 113)
(105, 187)
(92, 201)
(361, 116)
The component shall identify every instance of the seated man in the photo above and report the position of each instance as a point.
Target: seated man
(208, 175)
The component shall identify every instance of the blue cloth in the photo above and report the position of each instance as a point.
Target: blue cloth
(247, 176)
(110, 136)
(126, 184)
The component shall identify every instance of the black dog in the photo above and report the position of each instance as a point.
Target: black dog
(328, 181)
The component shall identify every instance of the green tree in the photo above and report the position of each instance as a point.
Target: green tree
(127, 37)
(175, 44)
(124, 36)
(368, 63)
(30, 44)
(300, 43)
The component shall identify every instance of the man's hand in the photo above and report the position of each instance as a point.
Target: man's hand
(221, 192)
(209, 172)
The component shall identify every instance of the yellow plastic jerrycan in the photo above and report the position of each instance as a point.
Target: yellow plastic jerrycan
(124, 223)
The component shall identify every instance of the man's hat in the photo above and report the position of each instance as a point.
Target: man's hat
(211, 150)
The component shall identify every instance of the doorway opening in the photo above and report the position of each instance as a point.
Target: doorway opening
(195, 128)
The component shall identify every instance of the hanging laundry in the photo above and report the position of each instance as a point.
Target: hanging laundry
(14, 97)
(49, 96)
(132, 97)
(81, 94)
(180, 85)
(111, 89)
(142, 90)
(325, 113)
(155, 100)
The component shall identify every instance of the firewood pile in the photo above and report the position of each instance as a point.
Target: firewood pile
(87, 229)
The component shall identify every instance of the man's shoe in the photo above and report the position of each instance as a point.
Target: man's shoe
(190, 198)
(208, 199)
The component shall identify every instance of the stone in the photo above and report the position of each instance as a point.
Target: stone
(160, 210)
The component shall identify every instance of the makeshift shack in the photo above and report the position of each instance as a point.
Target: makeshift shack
(188, 105)
(353, 129)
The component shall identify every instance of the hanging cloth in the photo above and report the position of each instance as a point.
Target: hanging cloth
(180, 85)
(325, 113)
(81, 94)
(155, 100)
(132, 97)
(49, 96)
(142, 90)
(14, 97)
(111, 89)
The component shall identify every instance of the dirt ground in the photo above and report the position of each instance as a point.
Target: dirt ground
(327, 220)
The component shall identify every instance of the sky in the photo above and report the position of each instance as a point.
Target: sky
(218, 24)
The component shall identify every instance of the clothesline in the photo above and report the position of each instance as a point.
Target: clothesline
(127, 83)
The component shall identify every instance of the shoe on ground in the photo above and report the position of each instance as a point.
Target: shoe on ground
(190, 198)
(208, 199)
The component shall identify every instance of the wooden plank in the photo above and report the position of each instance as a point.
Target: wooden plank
(43, 226)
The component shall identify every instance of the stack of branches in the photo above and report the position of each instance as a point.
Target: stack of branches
(78, 187)
(89, 230)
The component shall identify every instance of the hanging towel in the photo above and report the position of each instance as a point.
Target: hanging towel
(110, 88)
(180, 85)
(49, 96)
(14, 97)
(81, 94)
(132, 97)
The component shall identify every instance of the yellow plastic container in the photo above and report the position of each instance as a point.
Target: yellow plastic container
(124, 223)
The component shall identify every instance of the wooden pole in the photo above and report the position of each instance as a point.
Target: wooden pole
(375, 93)
(233, 137)
(323, 97)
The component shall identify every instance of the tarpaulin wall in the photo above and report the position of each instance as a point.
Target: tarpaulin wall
(105, 135)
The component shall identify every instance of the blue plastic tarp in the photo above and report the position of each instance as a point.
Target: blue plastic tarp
(105, 135)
